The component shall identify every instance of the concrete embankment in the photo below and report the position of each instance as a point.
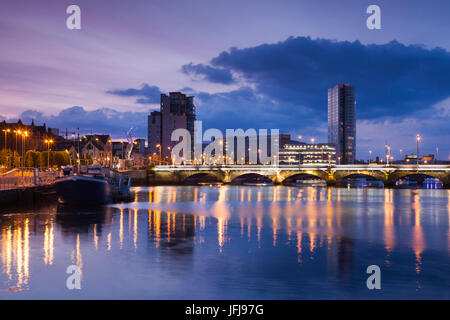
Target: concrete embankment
(19, 196)
(138, 177)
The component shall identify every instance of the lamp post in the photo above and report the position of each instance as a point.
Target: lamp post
(24, 136)
(78, 153)
(370, 156)
(160, 153)
(18, 132)
(74, 149)
(168, 148)
(48, 142)
(388, 155)
(6, 131)
(418, 141)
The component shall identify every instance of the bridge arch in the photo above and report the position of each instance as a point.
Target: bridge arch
(250, 177)
(371, 180)
(202, 177)
(299, 176)
(430, 180)
(382, 176)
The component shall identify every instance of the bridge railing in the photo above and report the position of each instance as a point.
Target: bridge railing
(27, 180)
(345, 167)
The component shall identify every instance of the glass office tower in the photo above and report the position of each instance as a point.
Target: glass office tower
(342, 122)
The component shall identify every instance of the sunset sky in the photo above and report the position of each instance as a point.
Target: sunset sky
(250, 64)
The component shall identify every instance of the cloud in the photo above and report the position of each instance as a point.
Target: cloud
(103, 120)
(390, 79)
(244, 108)
(211, 74)
(400, 133)
(146, 94)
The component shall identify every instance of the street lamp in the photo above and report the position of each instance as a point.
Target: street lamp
(171, 158)
(418, 141)
(24, 136)
(48, 142)
(370, 156)
(6, 131)
(18, 132)
(388, 156)
(160, 153)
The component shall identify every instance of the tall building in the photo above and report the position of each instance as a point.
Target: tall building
(139, 146)
(177, 111)
(342, 122)
(154, 132)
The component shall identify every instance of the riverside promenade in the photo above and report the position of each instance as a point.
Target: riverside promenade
(17, 186)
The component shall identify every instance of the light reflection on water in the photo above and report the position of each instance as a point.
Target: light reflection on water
(234, 242)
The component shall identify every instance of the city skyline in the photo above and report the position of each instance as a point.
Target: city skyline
(115, 76)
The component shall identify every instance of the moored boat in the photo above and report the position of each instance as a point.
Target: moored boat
(84, 190)
(92, 188)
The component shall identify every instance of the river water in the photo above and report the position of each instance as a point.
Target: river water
(232, 242)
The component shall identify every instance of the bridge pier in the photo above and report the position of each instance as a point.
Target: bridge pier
(332, 183)
(389, 184)
(446, 183)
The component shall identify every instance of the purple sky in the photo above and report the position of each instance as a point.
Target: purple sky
(46, 69)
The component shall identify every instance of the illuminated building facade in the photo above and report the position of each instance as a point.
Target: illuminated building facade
(342, 122)
(302, 153)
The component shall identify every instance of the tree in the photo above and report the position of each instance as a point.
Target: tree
(43, 158)
(61, 158)
(16, 159)
(6, 158)
(32, 158)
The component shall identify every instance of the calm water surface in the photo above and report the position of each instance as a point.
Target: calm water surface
(233, 242)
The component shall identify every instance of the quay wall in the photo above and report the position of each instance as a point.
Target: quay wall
(19, 196)
(139, 177)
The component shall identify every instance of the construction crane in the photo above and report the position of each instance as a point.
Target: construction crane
(130, 145)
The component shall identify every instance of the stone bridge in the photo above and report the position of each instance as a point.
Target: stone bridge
(333, 175)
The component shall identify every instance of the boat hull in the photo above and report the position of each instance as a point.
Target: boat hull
(80, 190)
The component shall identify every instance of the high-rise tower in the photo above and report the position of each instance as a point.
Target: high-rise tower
(177, 111)
(342, 122)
